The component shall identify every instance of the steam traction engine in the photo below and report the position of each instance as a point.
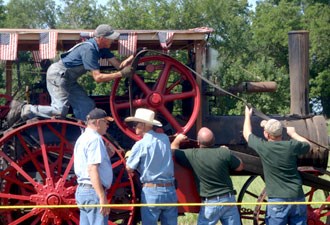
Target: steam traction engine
(36, 163)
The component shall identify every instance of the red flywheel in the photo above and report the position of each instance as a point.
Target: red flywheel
(164, 85)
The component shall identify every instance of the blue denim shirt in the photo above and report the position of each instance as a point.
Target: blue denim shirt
(86, 54)
(152, 157)
(90, 149)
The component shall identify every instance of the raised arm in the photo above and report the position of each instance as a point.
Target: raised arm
(177, 140)
(247, 128)
(291, 131)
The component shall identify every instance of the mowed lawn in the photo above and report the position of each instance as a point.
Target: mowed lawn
(252, 193)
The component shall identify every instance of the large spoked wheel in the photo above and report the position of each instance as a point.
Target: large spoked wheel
(253, 191)
(163, 85)
(36, 170)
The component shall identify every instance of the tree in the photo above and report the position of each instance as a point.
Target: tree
(317, 17)
(31, 14)
(81, 14)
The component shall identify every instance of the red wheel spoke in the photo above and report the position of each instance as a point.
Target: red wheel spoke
(68, 168)
(140, 83)
(18, 168)
(136, 103)
(173, 97)
(44, 151)
(12, 196)
(25, 217)
(162, 79)
(34, 161)
(74, 217)
(13, 179)
(117, 163)
(115, 184)
(171, 119)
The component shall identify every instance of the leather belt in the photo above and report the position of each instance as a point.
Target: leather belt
(158, 185)
(227, 195)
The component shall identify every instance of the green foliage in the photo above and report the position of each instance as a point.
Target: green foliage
(81, 14)
(31, 14)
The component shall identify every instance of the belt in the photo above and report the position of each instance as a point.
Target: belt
(158, 185)
(85, 185)
(88, 185)
(227, 195)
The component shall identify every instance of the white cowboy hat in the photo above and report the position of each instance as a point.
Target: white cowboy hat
(144, 116)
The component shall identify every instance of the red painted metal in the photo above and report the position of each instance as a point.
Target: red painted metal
(38, 170)
(159, 85)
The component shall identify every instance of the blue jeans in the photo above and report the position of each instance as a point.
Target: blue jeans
(64, 91)
(159, 195)
(286, 214)
(210, 215)
(89, 215)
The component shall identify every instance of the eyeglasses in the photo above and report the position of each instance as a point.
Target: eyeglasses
(106, 121)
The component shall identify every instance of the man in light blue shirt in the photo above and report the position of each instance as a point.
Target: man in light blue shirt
(152, 157)
(93, 168)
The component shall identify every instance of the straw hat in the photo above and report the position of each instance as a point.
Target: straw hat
(143, 115)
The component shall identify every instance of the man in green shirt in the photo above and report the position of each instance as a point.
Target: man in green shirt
(279, 161)
(211, 167)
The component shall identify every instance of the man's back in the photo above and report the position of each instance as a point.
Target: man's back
(211, 167)
(279, 160)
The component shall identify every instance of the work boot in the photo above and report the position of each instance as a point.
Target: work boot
(14, 113)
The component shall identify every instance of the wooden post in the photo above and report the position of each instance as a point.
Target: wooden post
(199, 46)
(9, 79)
(299, 72)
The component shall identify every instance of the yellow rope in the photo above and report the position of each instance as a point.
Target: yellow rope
(4, 207)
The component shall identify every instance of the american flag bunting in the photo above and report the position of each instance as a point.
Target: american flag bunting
(36, 58)
(47, 45)
(165, 39)
(127, 44)
(8, 46)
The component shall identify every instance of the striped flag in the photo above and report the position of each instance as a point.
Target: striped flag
(8, 46)
(47, 45)
(165, 39)
(127, 44)
(36, 58)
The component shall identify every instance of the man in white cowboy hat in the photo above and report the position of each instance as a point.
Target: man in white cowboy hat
(279, 161)
(152, 158)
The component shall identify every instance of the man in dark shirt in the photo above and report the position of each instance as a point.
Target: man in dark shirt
(211, 167)
(279, 161)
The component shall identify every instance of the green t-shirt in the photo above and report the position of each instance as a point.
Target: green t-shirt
(279, 161)
(211, 168)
